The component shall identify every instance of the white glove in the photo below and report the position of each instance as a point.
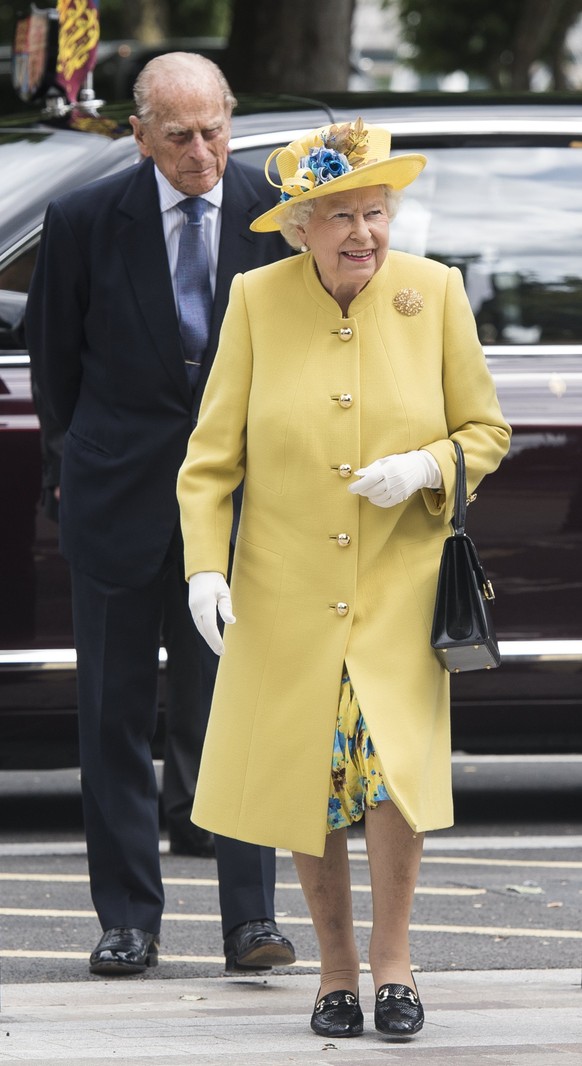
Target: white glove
(208, 591)
(394, 478)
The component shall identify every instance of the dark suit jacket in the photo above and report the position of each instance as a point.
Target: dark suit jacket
(107, 361)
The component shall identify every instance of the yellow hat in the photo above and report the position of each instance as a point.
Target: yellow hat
(334, 159)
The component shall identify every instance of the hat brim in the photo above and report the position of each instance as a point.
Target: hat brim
(398, 172)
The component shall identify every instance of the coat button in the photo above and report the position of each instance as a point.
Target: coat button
(345, 470)
(341, 608)
(344, 334)
(345, 400)
(343, 539)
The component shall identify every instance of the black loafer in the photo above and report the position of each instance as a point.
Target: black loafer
(257, 946)
(338, 1014)
(398, 1011)
(124, 951)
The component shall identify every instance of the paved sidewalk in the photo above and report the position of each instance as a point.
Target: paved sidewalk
(509, 1018)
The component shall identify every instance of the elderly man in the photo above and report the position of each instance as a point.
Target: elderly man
(124, 312)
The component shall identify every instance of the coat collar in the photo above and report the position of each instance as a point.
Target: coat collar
(364, 298)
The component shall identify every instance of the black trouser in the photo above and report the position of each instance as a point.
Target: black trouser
(186, 706)
(117, 631)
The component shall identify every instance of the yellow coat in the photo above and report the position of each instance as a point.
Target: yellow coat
(288, 403)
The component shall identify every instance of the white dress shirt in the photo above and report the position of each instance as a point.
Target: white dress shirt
(173, 219)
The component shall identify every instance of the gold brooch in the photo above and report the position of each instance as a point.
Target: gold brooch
(408, 302)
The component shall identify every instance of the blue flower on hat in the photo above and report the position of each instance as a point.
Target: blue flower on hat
(329, 154)
(326, 164)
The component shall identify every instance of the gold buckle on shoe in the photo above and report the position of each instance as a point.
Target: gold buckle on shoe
(385, 994)
(349, 998)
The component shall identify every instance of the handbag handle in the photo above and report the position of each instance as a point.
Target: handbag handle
(460, 512)
(459, 518)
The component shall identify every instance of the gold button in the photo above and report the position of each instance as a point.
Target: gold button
(343, 540)
(345, 334)
(345, 400)
(345, 470)
(341, 608)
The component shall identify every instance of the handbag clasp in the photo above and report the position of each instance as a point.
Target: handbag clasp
(488, 592)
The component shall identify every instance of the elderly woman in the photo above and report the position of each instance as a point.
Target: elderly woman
(343, 376)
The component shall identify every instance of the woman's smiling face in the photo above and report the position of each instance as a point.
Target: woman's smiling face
(348, 235)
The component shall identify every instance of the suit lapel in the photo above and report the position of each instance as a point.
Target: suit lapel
(237, 251)
(141, 239)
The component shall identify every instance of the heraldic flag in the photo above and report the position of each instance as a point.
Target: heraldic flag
(78, 40)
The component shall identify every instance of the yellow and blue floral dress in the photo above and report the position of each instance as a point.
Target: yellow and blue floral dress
(357, 783)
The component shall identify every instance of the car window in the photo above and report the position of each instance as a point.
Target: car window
(38, 165)
(35, 162)
(509, 217)
(511, 220)
(12, 307)
(40, 169)
(17, 274)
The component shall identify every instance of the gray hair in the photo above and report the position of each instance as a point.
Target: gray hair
(298, 214)
(178, 71)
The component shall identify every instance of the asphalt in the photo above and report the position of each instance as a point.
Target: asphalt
(509, 1017)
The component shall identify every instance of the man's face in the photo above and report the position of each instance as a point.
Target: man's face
(187, 137)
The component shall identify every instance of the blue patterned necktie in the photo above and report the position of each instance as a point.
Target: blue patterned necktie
(193, 286)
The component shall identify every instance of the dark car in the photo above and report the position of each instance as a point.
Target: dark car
(501, 198)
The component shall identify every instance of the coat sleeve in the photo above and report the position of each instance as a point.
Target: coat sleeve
(55, 311)
(215, 461)
(472, 410)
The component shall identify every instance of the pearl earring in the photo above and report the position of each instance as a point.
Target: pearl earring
(304, 248)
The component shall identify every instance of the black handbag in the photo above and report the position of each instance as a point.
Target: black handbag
(463, 635)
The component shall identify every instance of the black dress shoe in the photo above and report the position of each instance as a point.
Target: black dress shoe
(123, 951)
(191, 840)
(257, 946)
(398, 1011)
(338, 1014)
